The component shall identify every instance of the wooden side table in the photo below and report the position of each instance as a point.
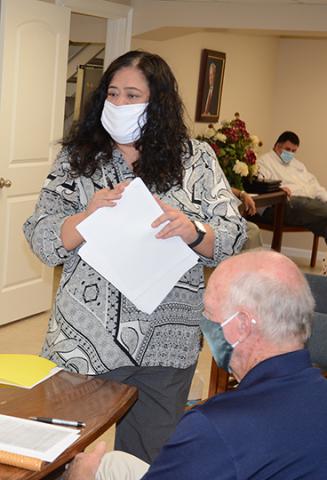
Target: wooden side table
(97, 402)
(278, 200)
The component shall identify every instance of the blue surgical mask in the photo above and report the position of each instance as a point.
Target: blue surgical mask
(220, 348)
(286, 156)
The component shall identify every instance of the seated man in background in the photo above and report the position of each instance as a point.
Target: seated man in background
(259, 310)
(307, 203)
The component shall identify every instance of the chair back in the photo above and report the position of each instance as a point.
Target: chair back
(317, 344)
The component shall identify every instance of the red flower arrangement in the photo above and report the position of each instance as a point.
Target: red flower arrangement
(235, 150)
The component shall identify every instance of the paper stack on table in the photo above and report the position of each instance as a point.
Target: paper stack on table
(121, 246)
(33, 439)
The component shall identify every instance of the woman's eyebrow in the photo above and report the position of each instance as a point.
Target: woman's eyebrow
(125, 88)
(133, 88)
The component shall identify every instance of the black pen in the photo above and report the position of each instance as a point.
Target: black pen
(57, 421)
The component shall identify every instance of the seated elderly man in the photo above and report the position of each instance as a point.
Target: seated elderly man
(307, 205)
(257, 318)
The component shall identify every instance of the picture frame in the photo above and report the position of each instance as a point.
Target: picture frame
(211, 76)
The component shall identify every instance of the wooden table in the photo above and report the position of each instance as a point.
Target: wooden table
(278, 200)
(97, 402)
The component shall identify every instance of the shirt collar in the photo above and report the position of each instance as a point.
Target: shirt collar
(278, 366)
(276, 155)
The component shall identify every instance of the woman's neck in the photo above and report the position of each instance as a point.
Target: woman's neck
(129, 152)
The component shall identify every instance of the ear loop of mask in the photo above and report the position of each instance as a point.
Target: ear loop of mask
(229, 319)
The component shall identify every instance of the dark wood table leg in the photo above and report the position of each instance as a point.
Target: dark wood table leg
(276, 243)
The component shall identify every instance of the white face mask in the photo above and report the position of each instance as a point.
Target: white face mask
(124, 122)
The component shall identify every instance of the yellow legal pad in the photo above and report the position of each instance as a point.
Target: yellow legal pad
(25, 371)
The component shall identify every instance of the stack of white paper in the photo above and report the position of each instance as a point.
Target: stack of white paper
(121, 245)
(34, 439)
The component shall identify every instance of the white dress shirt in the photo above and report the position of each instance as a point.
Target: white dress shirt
(293, 175)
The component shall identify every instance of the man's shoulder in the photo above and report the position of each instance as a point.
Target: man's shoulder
(267, 157)
(222, 405)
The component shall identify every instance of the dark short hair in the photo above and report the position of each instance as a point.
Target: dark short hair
(288, 137)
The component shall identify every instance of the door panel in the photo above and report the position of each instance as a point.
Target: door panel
(34, 39)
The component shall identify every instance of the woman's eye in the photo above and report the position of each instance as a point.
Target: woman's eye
(112, 94)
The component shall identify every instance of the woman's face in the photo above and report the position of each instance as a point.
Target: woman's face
(128, 86)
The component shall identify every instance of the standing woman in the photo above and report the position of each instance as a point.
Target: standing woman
(133, 126)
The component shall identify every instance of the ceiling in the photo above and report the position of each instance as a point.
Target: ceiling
(258, 2)
(310, 15)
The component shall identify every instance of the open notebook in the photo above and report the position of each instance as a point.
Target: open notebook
(27, 444)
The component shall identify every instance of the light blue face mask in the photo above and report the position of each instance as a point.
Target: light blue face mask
(220, 348)
(286, 156)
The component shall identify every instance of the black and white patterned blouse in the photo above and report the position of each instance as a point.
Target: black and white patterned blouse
(93, 328)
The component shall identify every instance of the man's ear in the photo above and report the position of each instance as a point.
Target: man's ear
(246, 324)
(278, 147)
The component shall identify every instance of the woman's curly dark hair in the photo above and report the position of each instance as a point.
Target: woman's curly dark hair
(163, 139)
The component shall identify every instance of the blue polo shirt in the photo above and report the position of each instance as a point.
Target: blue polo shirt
(272, 426)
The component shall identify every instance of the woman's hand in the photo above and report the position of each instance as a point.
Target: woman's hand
(178, 224)
(248, 203)
(70, 236)
(105, 198)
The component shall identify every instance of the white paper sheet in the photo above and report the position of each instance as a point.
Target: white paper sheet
(34, 439)
(121, 245)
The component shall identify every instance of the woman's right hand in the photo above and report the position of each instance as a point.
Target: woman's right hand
(105, 198)
(70, 236)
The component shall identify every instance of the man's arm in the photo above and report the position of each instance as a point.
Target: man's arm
(85, 465)
(320, 191)
(195, 451)
(267, 170)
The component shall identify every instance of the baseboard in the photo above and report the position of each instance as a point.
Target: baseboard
(300, 253)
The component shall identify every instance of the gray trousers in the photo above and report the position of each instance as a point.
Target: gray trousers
(303, 212)
(254, 237)
(162, 395)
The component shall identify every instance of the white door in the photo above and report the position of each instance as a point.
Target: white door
(34, 39)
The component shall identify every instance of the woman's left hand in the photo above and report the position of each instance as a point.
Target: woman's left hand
(179, 224)
(248, 202)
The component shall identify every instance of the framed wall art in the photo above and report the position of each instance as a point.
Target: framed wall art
(211, 76)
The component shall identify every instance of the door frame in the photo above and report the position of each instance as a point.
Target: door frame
(119, 23)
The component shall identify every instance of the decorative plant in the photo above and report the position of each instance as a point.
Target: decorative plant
(235, 150)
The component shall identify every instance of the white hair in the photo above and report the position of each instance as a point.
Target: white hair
(284, 311)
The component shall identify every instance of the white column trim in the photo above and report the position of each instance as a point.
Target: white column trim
(118, 38)
(119, 23)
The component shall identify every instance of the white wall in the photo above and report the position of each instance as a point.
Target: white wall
(300, 100)
(249, 74)
(87, 29)
(300, 104)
